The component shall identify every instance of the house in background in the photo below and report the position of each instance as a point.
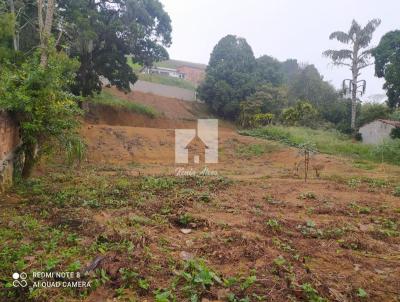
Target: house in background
(169, 72)
(192, 72)
(377, 131)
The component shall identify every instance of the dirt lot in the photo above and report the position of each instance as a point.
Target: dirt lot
(254, 232)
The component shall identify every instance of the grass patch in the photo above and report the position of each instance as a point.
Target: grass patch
(255, 150)
(107, 99)
(330, 142)
(169, 81)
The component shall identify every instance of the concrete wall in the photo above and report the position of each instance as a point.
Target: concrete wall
(9, 141)
(165, 90)
(376, 132)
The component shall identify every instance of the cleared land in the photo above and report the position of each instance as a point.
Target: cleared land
(256, 232)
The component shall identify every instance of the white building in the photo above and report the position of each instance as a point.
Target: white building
(377, 131)
(170, 72)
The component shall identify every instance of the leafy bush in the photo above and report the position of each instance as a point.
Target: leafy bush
(40, 100)
(370, 112)
(395, 133)
(263, 119)
(395, 115)
(302, 114)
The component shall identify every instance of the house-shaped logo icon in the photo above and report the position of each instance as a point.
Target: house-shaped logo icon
(199, 146)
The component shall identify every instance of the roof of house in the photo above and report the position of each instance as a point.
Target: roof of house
(164, 68)
(389, 122)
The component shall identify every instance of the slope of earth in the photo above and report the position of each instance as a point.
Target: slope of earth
(250, 230)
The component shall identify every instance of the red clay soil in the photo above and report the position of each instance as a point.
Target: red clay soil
(169, 107)
(332, 231)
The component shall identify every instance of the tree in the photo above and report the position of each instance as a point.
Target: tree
(308, 84)
(302, 114)
(356, 58)
(248, 110)
(45, 26)
(371, 111)
(268, 70)
(387, 65)
(230, 76)
(102, 33)
(34, 86)
(289, 68)
(39, 99)
(272, 99)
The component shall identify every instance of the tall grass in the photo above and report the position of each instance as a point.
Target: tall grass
(330, 142)
(107, 99)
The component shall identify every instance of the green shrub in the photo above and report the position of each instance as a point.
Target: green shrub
(45, 110)
(395, 133)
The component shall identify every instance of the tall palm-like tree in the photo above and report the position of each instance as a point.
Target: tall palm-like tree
(356, 57)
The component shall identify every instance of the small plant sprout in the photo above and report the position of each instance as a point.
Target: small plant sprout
(306, 150)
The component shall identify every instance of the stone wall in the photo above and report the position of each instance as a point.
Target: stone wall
(9, 141)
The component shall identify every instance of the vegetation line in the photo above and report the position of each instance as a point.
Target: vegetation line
(330, 142)
(108, 99)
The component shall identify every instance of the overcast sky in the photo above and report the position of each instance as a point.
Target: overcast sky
(280, 28)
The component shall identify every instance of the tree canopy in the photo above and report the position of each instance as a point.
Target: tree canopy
(99, 33)
(387, 65)
(230, 76)
(53, 49)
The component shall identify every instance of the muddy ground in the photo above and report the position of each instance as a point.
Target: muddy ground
(256, 231)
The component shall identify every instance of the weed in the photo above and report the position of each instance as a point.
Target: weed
(255, 150)
(157, 184)
(197, 279)
(140, 220)
(101, 278)
(386, 228)
(273, 224)
(354, 183)
(249, 281)
(311, 293)
(271, 200)
(362, 164)
(362, 293)
(360, 209)
(309, 229)
(396, 191)
(308, 195)
(144, 284)
(163, 296)
(185, 219)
